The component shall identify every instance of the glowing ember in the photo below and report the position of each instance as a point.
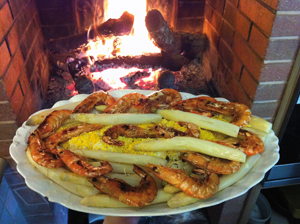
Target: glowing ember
(113, 77)
(137, 43)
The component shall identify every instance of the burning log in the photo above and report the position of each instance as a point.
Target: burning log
(84, 85)
(151, 60)
(161, 33)
(192, 44)
(173, 44)
(166, 79)
(116, 27)
(132, 77)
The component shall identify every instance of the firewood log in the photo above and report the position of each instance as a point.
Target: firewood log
(116, 27)
(177, 47)
(160, 32)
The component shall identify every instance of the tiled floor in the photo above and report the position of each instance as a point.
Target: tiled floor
(9, 209)
(19, 204)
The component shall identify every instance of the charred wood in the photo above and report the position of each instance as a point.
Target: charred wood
(84, 85)
(192, 44)
(166, 79)
(115, 27)
(178, 48)
(151, 60)
(159, 30)
(132, 77)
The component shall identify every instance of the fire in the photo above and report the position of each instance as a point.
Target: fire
(113, 77)
(137, 43)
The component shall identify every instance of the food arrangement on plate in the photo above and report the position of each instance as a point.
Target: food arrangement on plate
(139, 150)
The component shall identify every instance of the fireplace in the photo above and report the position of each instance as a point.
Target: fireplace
(252, 49)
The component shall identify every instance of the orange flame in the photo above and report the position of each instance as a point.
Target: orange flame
(113, 77)
(136, 44)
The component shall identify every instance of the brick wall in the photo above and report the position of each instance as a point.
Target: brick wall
(255, 42)
(57, 18)
(24, 69)
(190, 15)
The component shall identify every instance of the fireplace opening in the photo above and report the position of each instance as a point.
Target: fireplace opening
(250, 56)
(133, 48)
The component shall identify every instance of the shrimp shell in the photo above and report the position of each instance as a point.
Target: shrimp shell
(130, 103)
(163, 98)
(132, 131)
(195, 187)
(206, 106)
(39, 153)
(247, 142)
(52, 141)
(138, 196)
(95, 99)
(52, 122)
(212, 164)
(79, 166)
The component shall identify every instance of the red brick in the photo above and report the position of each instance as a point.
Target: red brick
(22, 117)
(208, 11)
(237, 90)
(13, 72)
(6, 113)
(270, 92)
(4, 148)
(218, 5)
(271, 3)
(211, 33)
(17, 99)
(216, 21)
(275, 72)
(3, 94)
(234, 2)
(39, 43)
(16, 6)
(24, 81)
(194, 25)
(8, 131)
(5, 20)
(248, 83)
(252, 62)
(285, 49)
(20, 24)
(13, 40)
(10, 80)
(32, 101)
(219, 76)
(258, 41)
(227, 32)
(5, 58)
(264, 110)
(230, 59)
(190, 9)
(260, 15)
(238, 21)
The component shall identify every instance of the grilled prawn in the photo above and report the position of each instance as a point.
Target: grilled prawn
(138, 196)
(95, 99)
(207, 106)
(212, 164)
(130, 103)
(195, 187)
